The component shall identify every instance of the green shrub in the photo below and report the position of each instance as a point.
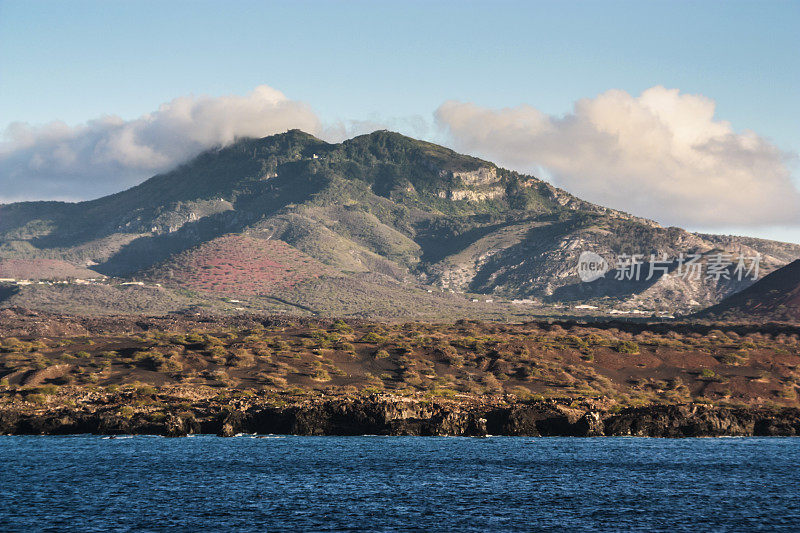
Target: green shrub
(218, 352)
(443, 393)
(146, 390)
(194, 338)
(372, 338)
(321, 375)
(732, 358)
(276, 381)
(170, 365)
(279, 344)
(149, 360)
(404, 347)
(341, 326)
(48, 390)
(212, 341)
(241, 358)
(36, 398)
(789, 392)
(11, 344)
(627, 347)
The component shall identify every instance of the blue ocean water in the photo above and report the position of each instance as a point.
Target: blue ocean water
(391, 483)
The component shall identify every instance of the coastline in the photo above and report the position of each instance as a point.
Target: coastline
(184, 375)
(381, 415)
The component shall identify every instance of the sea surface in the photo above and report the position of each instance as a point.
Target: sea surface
(91, 483)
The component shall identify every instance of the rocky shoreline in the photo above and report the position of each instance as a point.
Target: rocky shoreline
(409, 416)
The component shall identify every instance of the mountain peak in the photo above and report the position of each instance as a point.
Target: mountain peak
(296, 134)
(286, 141)
(397, 148)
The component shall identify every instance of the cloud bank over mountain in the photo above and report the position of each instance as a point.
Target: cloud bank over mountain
(661, 155)
(109, 154)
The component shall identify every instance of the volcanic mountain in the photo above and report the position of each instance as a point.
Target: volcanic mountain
(774, 298)
(378, 225)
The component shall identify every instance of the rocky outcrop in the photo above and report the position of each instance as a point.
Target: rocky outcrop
(482, 195)
(475, 186)
(481, 176)
(403, 416)
(701, 421)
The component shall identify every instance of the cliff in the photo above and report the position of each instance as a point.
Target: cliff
(382, 415)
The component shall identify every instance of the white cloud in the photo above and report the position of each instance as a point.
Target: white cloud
(109, 154)
(661, 155)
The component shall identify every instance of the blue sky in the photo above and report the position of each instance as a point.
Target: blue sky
(384, 61)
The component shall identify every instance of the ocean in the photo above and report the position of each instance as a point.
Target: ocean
(272, 483)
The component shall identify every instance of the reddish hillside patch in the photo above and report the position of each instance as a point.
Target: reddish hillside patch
(43, 269)
(238, 265)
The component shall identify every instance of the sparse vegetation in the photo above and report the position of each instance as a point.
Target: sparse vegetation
(628, 347)
(550, 360)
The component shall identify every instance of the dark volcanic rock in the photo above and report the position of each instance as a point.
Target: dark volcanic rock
(702, 421)
(408, 416)
(546, 419)
(180, 426)
(785, 423)
(231, 423)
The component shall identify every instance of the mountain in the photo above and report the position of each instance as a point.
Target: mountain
(774, 298)
(388, 225)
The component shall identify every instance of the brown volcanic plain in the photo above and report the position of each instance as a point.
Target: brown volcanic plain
(47, 359)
